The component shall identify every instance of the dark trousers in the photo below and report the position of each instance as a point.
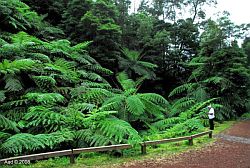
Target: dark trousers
(211, 124)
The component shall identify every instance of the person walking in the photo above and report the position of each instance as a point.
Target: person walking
(211, 117)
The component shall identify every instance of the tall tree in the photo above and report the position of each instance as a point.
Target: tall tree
(246, 48)
(99, 25)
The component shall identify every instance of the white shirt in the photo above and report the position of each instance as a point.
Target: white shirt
(211, 113)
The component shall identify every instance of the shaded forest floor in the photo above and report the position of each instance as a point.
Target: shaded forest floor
(230, 150)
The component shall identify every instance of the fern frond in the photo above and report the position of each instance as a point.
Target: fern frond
(15, 113)
(182, 88)
(96, 116)
(221, 81)
(147, 64)
(12, 83)
(185, 128)
(2, 95)
(3, 137)
(2, 42)
(99, 69)
(20, 142)
(82, 46)
(54, 139)
(155, 98)
(96, 95)
(195, 108)
(114, 103)
(45, 98)
(197, 61)
(15, 103)
(16, 66)
(134, 105)
(44, 81)
(24, 142)
(91, 76)
(125, 82)
(200, 94)
(39, 56)
(5, 123)
(89, 84)
(99, 140)
(153, 109)
(166, 123)
(82, 106)
(63, 90)
(43, 116)
(183, 103)
(64, 67)
(23, 37)
(83, 134)
(119, 130)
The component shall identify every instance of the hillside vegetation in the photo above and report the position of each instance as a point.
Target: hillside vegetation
(81, 73)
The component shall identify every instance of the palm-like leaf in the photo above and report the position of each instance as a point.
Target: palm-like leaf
(130, 61)
(5, 123)
(16, 66)
(134, 105)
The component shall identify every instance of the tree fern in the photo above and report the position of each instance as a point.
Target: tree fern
(5, 123)
(40, 116)
(16, 66)
(15, 113)
(130, 61)
(99, 139)
(135, 105)
(199, 94)
(78, 106)
(3, 137)
(114, 102)
(185, 128)
(15, 103)
(39, 57)
(119, 130)
(12, 83)
(22, 38)
(89, 84)
(183, 103)
(162, 125)
(48, 86)
(125, 82)
(24, 142)
(44, 82)
(131, 106)
(217, 80)
(65, 68)
(2, 95)
(99, 69)
(155, 98)
(81, 46)
(92, 76)
(154, 109)
(96, 95)
(45, 98)
(182, 88)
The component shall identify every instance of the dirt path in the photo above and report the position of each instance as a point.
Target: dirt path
(231, 150)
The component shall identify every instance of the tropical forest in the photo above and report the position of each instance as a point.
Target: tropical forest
(89, 73)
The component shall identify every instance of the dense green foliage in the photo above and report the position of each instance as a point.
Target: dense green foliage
(79, 73)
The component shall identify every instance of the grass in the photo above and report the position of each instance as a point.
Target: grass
(130, 155)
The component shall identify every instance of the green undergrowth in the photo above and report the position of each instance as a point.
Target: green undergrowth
(110, 159)
(245, 116)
